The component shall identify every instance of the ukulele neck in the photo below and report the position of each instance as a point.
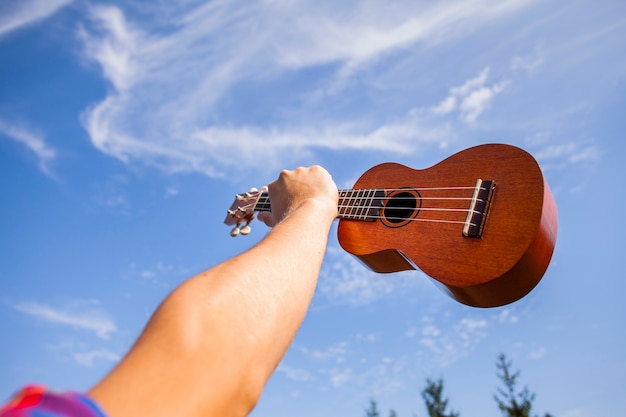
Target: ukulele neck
(362, 204)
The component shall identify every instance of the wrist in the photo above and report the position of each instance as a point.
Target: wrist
(319, 208)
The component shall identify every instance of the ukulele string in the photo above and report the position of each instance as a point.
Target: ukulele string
(408, 208)
(401, 219)
(266, 206)
(263, 203)
(263, 198)
(459, 187)
(362, 211)
(366, 216)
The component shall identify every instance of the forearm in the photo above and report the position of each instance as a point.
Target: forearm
(216, 339)
(258, 308)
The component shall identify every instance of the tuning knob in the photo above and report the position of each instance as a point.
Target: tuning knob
(235, 231)
(246, 229)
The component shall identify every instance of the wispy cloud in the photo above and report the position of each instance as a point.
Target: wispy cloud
(33, 141)
(448, 342)
(16, 14)
(381, 377)
(538, 353)
(531, 62)
(89, 357)
(571, 152)
(345, 281)
(84, 318)
(471, 98)
(507, 315)
(112, 194)
(295, 374)
(161, 274)
(175, 89)
(335, 353)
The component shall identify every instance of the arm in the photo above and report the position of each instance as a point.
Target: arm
(214, 342)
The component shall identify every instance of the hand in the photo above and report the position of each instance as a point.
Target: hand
(292, 188)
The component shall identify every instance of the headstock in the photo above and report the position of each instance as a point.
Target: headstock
(242, 210)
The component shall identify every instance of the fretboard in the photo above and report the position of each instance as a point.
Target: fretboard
(362, 204)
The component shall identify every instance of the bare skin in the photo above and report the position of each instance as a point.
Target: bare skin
(213, 343)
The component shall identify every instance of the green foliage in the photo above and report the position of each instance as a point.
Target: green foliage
(510, 402)
(372, 411)
(433, 397)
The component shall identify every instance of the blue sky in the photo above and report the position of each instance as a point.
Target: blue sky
(126, 128)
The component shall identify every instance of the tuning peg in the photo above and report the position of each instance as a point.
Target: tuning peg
(235, 231)
(245, 230)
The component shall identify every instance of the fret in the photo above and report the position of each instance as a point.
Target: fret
(343, 204)
(263, 204)
(357, 204)
(366, 204)
(350, 204)
(360, 204)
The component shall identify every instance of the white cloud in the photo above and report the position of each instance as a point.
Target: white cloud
(335, 353)
(16, 14)
(112, 194)
(471, 331)
(170, 84)
(159, 275)
(572, 152)
(471, 85)
(295, 374)
(345, 281)
(446, 344)
(479, 100)
(538, 353)
(88, 358)
(446, 106)
(339, 377)
(171, 191)
(530, 62)
(33, 141)
(471, 98)
(87, 318)
(507, 316)
(590, 153)
(379, 379)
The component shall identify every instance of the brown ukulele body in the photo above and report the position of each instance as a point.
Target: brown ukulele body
(421, 224)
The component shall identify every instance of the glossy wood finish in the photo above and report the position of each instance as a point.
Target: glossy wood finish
(500, 267)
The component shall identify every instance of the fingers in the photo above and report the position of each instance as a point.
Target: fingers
(296, 186)
(266, 217)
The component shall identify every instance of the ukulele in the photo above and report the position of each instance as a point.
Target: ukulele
(482, 223)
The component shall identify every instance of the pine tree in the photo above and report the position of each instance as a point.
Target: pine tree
(433, 396)
(510, 402)
(372, 411)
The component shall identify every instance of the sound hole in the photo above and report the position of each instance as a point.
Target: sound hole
(400, 208)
